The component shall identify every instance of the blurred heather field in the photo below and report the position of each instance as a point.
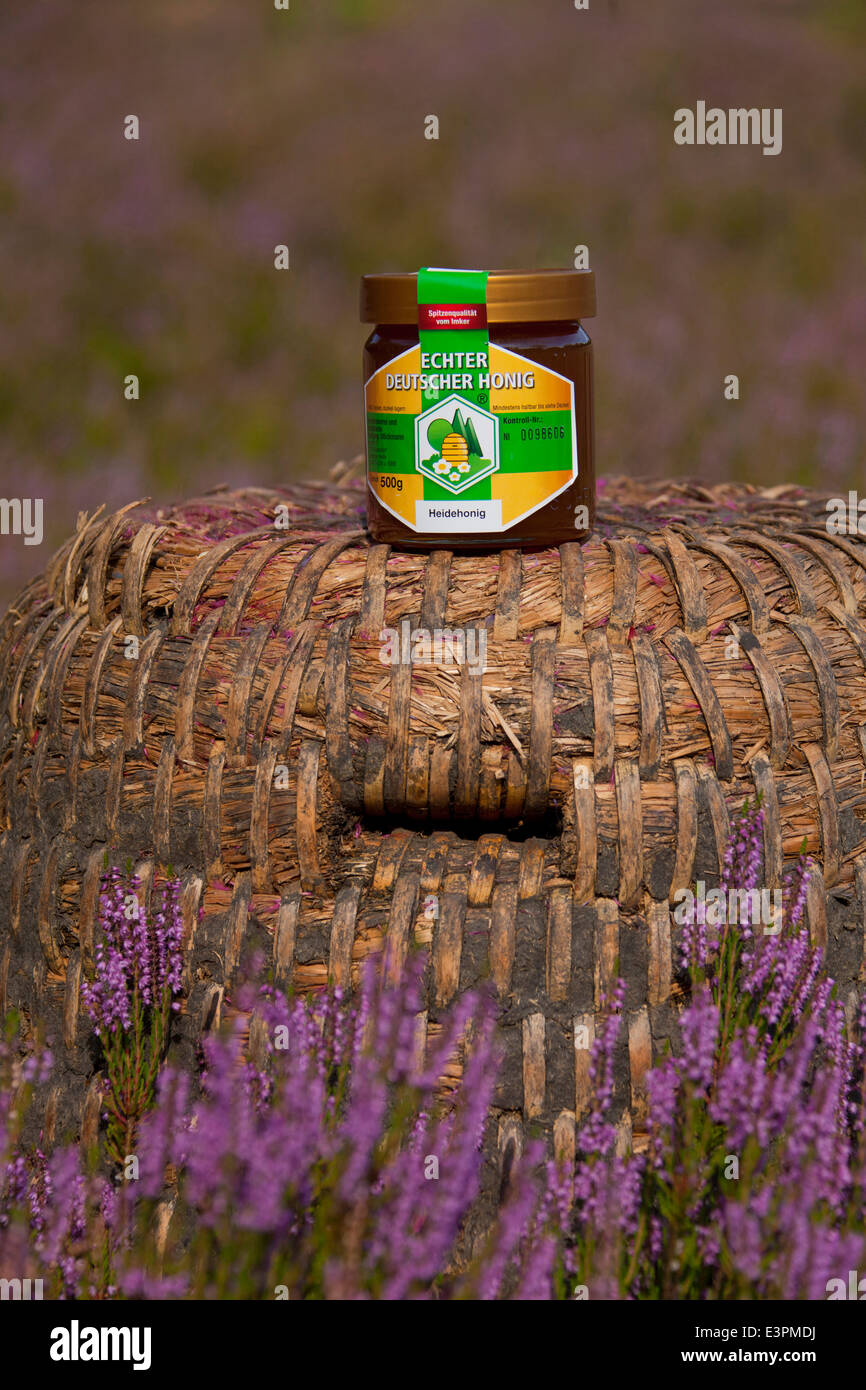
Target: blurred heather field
(306, 127)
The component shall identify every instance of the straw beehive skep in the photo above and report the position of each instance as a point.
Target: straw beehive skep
(528, 823)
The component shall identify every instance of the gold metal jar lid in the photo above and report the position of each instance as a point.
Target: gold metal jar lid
(513, 296)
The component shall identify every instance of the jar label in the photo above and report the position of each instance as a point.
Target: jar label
(462, 434)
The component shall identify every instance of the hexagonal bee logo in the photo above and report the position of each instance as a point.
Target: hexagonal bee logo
(456, 444)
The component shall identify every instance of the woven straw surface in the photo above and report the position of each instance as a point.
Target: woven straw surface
(528, 826)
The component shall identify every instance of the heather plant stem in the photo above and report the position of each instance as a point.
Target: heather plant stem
(726, 994)
(106, 1262)
(779, 1044)
(637, 1250)
(691, 1190)
(327, 1185)
(225, 1267)
(208, 1243)
(132, 1074)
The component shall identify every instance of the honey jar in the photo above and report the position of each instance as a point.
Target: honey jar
(479, 407)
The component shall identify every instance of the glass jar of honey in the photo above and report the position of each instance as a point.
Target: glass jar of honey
(479, 407)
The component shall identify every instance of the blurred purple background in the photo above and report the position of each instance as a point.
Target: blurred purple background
(306, 127)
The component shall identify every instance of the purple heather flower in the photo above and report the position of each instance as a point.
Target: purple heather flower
(342, 1167)
(137, 1283)
(700, 1027)
(138, 958)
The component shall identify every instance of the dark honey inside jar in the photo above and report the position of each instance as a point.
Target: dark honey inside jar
(479, 408)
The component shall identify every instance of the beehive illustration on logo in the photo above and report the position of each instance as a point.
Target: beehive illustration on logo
(455, 449)
(464, 443)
